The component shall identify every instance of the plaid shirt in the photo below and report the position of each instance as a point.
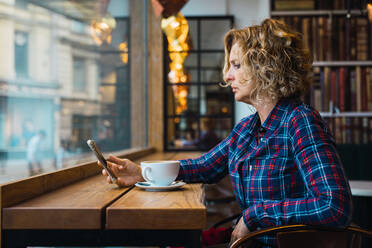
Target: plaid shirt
(285, 171)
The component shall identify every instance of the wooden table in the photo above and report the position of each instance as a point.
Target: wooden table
(91, 212)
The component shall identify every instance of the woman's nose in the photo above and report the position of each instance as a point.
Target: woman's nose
(229, 75)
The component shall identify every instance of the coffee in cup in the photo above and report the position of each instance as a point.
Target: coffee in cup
(160, 173)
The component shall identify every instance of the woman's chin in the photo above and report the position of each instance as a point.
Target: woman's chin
(242, 99)
(237, 98)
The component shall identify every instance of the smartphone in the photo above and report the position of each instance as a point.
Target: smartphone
(92, 145)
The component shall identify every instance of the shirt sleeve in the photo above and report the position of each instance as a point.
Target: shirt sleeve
(211, 166)
(328, 201)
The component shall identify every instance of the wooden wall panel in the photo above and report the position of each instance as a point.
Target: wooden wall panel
(155, 94)
(137, 73)
(155, 82)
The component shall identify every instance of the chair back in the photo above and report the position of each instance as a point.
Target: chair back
(305, 236)
(319, 239)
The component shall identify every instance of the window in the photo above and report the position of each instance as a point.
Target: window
(208, 113)
(21, 53)
(115, 89)
(79, 74)
(2, 123)
(21, 4)
(69, 79)
(78, 27)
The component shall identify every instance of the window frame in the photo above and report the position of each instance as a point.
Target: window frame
(199, 83)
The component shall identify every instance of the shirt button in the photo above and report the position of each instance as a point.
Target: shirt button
(262, 139)
(262, 129)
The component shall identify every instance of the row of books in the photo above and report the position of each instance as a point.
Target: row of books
(351, 130)
(315, 4)
(341, 89)
(336, 38)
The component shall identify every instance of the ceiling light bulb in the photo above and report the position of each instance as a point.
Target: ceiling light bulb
(101, 29)
(369, 10)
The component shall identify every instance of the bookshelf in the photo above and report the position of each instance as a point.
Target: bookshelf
(318, 13)
(342, 63)
(339, 36)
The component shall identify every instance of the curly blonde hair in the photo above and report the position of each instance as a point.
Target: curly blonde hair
(274, 57)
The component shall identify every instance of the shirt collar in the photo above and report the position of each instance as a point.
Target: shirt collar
(276, 115)
(254, 123)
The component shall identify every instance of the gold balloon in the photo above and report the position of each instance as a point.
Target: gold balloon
(176, 29)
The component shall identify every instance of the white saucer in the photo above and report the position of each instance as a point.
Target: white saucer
(149, 187)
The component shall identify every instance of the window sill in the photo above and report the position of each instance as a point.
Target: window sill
(132, 154)
(36, 185)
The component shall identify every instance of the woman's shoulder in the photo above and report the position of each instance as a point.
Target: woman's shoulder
(246, 123)
(302, 115)
(302, 110)
(247, 120)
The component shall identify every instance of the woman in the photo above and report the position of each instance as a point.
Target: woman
(282, 160)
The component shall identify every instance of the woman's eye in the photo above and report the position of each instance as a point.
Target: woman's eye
(236, 66)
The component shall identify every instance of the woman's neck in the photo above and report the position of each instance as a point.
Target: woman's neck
(264, 108)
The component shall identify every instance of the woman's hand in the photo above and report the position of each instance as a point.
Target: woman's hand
(240, 231)
(127, 172)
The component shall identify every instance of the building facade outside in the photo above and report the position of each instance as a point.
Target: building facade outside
(55, 78)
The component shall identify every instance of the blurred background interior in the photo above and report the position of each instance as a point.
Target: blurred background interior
(74, 70)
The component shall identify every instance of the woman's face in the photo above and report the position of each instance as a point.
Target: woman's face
(240, 85)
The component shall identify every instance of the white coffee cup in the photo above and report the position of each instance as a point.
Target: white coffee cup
(160, 173)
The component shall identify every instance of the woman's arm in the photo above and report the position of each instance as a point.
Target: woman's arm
(329, 200)
(213, 165)
(208, 168)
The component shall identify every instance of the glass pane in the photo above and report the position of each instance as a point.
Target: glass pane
(213, 32)
(212, 60)
(79, 74)
(224, 127)
(193, 33)
(21, 53)
(211, 75)
(21, 4)
(206, 98)
(115, 95)
(3, 106)
(181, 132)
(191, 67)
(120, 37)
(120, 33)
(213, 131)
(65, 79)
(27, 127)
(191, 60)
(216, 100)
(182, 100)
(211, 67)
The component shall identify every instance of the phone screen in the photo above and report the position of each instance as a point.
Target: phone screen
(92, 145)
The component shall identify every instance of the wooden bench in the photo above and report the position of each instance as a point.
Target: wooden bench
(76, 206)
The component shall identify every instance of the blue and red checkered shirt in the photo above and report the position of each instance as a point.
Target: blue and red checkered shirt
(285, 171)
